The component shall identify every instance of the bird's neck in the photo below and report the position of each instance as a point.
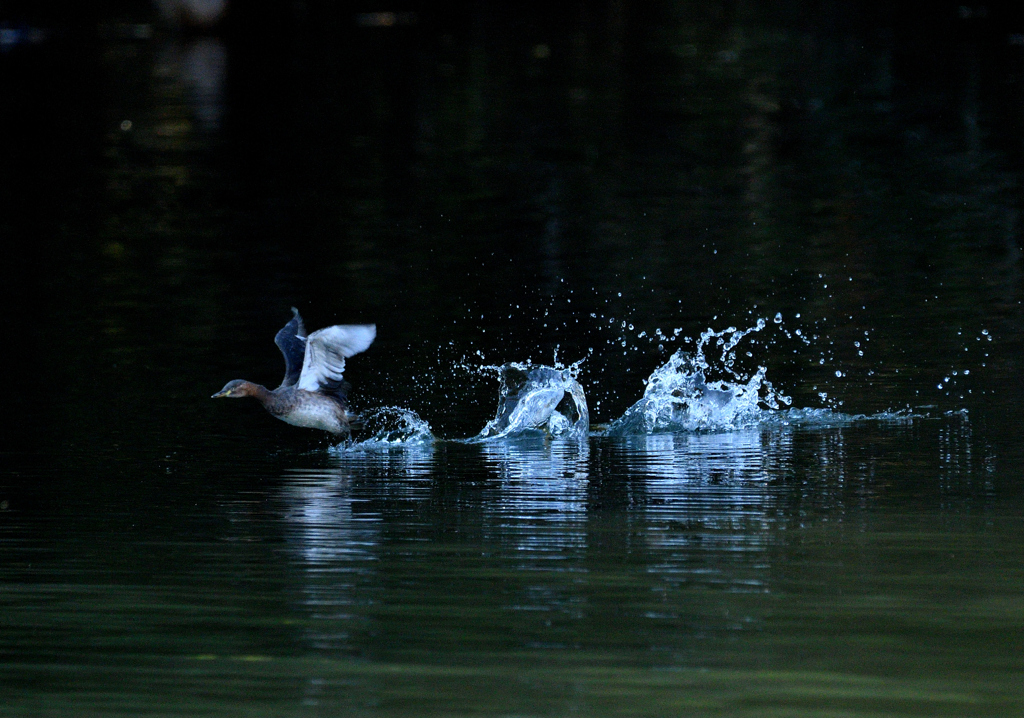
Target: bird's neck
(258, 391)
(276, 402)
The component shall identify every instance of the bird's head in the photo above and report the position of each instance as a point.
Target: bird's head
(234, 390)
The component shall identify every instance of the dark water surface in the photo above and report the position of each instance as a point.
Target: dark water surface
(490, 185)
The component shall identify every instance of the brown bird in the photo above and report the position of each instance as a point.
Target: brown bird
(312, 393)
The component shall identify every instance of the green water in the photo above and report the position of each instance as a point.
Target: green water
(490, 185)
(530, 580)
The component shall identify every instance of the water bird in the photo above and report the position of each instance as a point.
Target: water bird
(312, 393)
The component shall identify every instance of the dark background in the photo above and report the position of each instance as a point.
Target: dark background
(460, 171)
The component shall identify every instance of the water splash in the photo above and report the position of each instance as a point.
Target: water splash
(714, 386)
(391, 426)
(678, 397)
(538, 398)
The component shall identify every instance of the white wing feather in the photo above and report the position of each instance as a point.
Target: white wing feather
(326, 351)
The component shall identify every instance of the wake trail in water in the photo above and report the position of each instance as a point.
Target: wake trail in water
(549, 401)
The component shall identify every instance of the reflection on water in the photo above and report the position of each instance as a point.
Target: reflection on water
(745, 457)
(537, 460)
(192, 13)
(691, 551)
(336, 549)
(320, 511)
(538, 507)
(200, 66)
(709, 511)
(776, 565)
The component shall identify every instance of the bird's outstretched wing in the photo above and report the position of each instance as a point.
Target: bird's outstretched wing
(326, 352)
(291, 340)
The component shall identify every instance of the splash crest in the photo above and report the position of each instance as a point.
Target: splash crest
(535, 397)
(678, 396)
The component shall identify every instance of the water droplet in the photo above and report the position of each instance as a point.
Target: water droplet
(778, 318)
(839, 373)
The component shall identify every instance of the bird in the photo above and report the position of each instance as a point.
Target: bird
(312, 393)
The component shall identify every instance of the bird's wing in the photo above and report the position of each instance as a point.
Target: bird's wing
(326, 352)
(291, 340)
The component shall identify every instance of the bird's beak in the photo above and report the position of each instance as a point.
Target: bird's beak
(220, 394)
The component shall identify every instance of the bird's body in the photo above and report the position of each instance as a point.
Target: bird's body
(312, 393)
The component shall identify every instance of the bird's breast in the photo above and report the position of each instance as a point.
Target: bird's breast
(315, 411)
